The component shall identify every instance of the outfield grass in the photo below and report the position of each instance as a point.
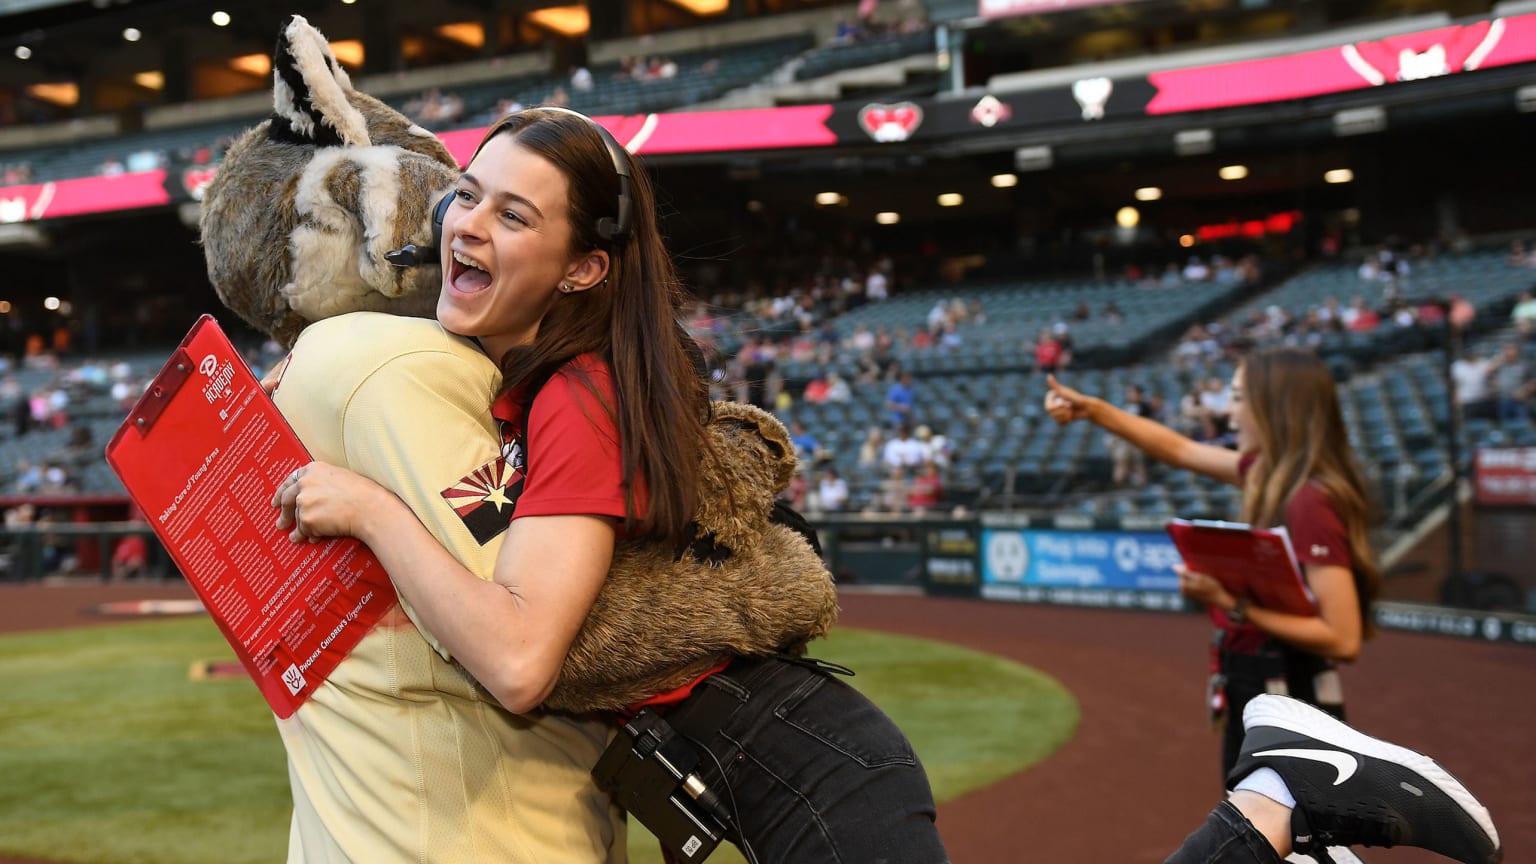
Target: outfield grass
(111, 755)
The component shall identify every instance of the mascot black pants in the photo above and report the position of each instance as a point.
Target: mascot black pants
(814, 773)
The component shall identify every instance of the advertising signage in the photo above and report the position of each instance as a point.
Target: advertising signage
(1355, 66)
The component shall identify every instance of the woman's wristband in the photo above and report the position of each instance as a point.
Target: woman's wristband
(1238, 614)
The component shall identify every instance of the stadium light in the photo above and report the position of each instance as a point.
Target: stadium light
(51, 303)
(220, 18)
(5, 307)
(951, 199)
(132, 34)
(829, 199)
(888, 217)
(1233, 172)
(1338, 175)
(23, 52)
(1148, 193)
(1005, 181)
(1127, 217)
(1186, 240)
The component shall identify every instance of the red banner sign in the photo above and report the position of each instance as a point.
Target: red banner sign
(1505, 476)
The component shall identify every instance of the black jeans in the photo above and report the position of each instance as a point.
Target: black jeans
(814, 771)
(1227, 837)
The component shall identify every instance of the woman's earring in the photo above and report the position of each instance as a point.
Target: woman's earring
(565, 288)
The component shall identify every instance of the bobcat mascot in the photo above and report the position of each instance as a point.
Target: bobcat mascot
(400, 756)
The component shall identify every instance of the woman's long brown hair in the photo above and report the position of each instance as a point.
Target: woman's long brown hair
(1302, 439)
(631, 320)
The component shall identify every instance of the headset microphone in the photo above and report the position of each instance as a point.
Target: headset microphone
(406, 256)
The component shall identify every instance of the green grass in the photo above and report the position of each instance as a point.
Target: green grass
(111, 755)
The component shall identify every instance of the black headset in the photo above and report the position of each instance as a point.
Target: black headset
(614, 230)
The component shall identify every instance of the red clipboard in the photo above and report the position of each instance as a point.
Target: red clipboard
(1256, 563)
(201, 454)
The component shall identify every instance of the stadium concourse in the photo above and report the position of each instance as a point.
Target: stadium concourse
(1141, 770)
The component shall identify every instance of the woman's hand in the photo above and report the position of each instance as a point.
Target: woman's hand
(274, 375)
(1203, 589)
(320, 500)
(1063, 403)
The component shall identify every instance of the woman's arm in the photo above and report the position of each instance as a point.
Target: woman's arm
(1334, 632)
(1156, 440)
(512, 633)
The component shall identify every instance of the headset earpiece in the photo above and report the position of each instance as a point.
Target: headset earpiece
(614, 229)
(439, 213)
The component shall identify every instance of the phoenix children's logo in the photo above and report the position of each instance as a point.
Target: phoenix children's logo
(485, 499)
(890, 123)
(1428, 54)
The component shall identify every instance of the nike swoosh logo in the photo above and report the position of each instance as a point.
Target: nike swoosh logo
(1343, 763)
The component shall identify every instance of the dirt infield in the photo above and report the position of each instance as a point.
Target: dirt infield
(1141, 772)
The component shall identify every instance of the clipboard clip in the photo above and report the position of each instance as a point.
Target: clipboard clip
(155, 399)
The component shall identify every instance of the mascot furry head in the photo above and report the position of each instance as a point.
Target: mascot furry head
(335, 179)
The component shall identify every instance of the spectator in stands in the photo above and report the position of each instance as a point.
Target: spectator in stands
(837, 388)
(80, 452)
(893, 490)
(807, 448)
(926, 488)
(832, 492)
(940, 450)
(581, 79)
(877, 284)
(1520, 256)
(904, 451)
(1295, 466)
(1128, 464)
(1470, 382)
(1050, 355)
(1513, 383)
(1196, 270)
(900, 401)
(1461, 312)
(1359, 317)
(1524, 314)
(872, 451)
(29, 477)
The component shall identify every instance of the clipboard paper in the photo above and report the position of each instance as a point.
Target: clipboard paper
(1257, 563)
(201, 454)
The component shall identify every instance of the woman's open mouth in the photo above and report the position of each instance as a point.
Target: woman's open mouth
(466, 275)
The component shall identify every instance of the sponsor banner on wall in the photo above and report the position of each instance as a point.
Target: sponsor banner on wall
(1505, 476)
(1076, 562)
(1458, 623)
(1353, 66)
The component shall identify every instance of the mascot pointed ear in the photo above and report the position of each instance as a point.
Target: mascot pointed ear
(309, 91)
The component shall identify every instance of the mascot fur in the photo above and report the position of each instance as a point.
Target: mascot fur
(336, 178)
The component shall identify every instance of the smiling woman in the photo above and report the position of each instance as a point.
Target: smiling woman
(554, 265)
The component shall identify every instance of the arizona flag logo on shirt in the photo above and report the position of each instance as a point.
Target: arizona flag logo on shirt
(486, 498)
